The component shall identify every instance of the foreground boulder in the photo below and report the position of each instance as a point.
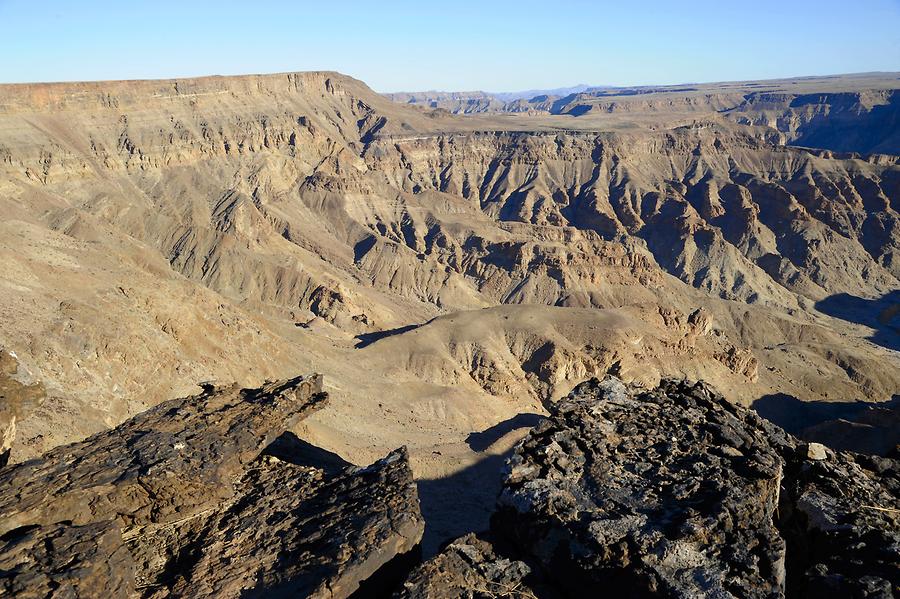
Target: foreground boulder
(292, 531)
(675, 492)
(186, 500)
(470, 568)
(171, 461)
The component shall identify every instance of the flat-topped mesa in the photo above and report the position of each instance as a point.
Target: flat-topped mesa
(675, 492)
(146, 93)
(170, 461)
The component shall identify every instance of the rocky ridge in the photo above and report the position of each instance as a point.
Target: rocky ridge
(186, 500)
(670, 491)
(674, 491)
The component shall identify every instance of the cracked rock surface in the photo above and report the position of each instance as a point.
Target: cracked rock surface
(60, 560)
(166, 463)
(193, 498)
(676, 492)
(472, 567)
(292, 531)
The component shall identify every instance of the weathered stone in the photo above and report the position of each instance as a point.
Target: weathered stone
(179, 501)
(676, 492)
(59, 560)
(471, 568)
(841, 519)
(292, 531)
(629, 491)
(173, 460)
(813, 451)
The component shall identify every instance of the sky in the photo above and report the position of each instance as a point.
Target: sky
(459, 45)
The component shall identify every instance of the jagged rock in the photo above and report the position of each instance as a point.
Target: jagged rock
(841, 519)
(470, 567)
(65, 561)
(166, 463)
(634, 493)
(180, 501)
(700, 321)
(676, 492)
(292, 531)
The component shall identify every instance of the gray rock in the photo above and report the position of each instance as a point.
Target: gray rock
(675, 492)
(630, 491)
(813, 451)
(471, 567)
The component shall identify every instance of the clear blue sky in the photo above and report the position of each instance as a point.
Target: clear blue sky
(454, 45)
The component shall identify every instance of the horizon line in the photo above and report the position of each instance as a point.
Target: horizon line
(449, 91)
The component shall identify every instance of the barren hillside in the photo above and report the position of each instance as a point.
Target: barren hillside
(447, 274)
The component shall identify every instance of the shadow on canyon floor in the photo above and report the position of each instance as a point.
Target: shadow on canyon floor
(366, 339)
(860, 426)
(463, 502)
(482, 440)
(460, 503)
(882, 314)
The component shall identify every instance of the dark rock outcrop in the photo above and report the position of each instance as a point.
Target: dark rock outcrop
(169, 462)
(471, 567)
(60, 560)
(667, 492)
(193, 498)
(841, 519)
(676, 492)
(293, 532)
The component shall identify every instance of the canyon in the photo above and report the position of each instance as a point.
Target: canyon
(452, 266)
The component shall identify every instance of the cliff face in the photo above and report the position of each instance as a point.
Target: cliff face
(720, 209)
(161, 233)
(851, 113)
(844, 122)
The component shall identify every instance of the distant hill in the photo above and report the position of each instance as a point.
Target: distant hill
(848, 113)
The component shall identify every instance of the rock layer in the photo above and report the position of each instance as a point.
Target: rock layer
(186, 500)
(289, 213)
(169, 462)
